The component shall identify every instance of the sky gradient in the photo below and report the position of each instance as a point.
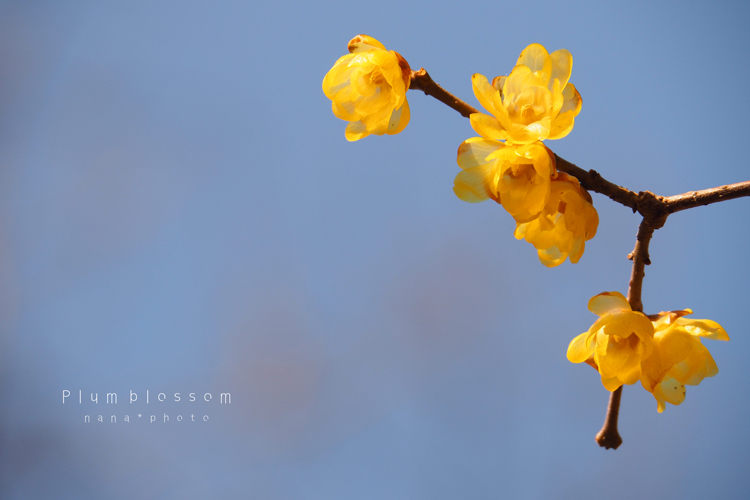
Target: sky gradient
(180, 212)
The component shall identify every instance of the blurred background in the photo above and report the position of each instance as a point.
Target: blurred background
(180, 212)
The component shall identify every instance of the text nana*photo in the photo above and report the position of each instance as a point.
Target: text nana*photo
(175, 407)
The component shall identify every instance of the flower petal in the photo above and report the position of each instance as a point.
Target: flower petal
(483, 91)
(627, 323)
(698, 365)
(562, 66)
(670, 347)
(473, 184)
(338, 76)
(399, 119)
(551, 256)
(564, 121)
(703, 328)
(611, 383)
(578, 351)
(671, 390)
(498, 82)
(487, 126)
(576, 251)
(608, 303)
(611, 354)
(514, 84)
(356, 131)
(474, 151)
(536, 58)
(364, 43)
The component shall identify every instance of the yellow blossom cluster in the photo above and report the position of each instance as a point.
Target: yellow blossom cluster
(508, 163)
(664, 353)
(567, 221)
(367, 88)
(533, 103)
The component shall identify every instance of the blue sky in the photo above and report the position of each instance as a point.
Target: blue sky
(180, 212)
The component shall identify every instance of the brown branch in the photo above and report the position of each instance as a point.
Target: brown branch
(654, 209)
(421, 80)
(706, 197)
(593, 181)
(608, 437)
(647, 204)
(640, 260)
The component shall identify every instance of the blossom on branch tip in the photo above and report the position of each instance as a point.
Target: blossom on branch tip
(679, 358)
(516, 176)
(616, 343)
(567, 221)
(535, 102)
(368, 87)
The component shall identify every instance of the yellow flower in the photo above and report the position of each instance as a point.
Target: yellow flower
(368, 89)
(517, 176)
(567, 221)
(679, 357)
(616, 343)
(535, 102)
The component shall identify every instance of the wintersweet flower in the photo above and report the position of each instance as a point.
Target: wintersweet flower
(368, 87)
(535, 102)
(679, 358)
(566, 223)
(517, 176)
(616, 343)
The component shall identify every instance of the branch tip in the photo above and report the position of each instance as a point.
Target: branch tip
(421, 80)
(609, 437)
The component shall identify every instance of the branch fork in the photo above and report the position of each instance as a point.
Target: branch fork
(653, 208)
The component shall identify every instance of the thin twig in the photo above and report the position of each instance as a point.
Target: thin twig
(706, 197)
(421, 80)
(593, 181)
(640, 259)
(608, 437)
